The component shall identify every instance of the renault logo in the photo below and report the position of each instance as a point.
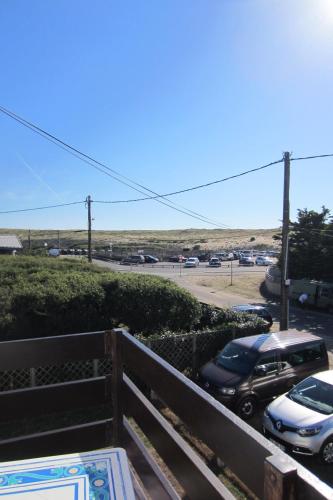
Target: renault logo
(278, 425)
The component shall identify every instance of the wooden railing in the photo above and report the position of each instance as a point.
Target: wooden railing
(264, 469)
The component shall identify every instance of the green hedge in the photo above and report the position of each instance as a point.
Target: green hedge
(45, 296)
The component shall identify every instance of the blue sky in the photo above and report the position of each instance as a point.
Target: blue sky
(170, 93)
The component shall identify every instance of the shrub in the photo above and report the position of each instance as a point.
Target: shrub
(150, 303)
(43, 296)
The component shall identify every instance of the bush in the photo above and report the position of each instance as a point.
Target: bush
(44, 296)
(150, 303)
(213, 317)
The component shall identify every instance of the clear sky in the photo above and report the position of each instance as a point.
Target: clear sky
(170, 93)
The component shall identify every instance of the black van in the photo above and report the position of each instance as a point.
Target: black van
(257, 368)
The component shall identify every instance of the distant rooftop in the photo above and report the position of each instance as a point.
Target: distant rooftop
(10, 242)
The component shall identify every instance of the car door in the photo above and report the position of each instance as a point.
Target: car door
(265, 377)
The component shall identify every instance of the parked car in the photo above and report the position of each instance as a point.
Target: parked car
(301, 421)
(133, 260)
(260, 311)
(214, 262)
(257, 368)
(204, 257)
(177, 258)
(245, 261)
(150, 259)
(192, 262)
(54, 252)
(263, 261)
(223, 256)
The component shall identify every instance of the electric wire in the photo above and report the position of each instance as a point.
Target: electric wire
(194, 187)
(88, 159)
(311, 157)
(41, 208)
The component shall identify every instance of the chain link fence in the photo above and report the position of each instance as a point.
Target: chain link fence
(185, 352)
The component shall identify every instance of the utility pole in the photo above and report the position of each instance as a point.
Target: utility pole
(29, 240)
(59, 239)
(285, 282)
(88, 203)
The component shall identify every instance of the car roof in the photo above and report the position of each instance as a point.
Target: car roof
(326, 376)
(278, 340)
(247, 307)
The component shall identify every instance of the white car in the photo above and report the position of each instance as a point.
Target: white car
(263, 261)
(302, 419)
(192, 262)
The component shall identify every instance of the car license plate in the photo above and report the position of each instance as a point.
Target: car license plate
(279, 445)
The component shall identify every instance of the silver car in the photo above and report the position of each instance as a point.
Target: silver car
(301, 420)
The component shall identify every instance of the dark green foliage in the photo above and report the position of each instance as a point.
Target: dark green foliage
(45, 296)
(226, 320)
(149, 303)
(311, 245)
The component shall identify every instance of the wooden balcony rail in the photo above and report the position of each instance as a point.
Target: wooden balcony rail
(263, 468)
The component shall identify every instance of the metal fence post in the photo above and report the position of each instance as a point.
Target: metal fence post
(280, 480)
(95, 367)
(32, 377)
(194, 355)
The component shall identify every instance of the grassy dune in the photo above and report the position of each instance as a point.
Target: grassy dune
(206, 239)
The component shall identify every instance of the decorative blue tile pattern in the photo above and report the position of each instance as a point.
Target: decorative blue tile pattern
(106, 471)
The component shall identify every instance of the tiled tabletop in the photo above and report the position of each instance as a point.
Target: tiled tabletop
(97, 475)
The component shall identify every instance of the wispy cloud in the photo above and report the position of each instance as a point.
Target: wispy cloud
(39, 178)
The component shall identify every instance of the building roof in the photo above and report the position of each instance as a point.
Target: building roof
(278, 340)
(10, 242)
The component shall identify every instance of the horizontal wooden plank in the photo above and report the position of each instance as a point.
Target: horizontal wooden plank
(150, 474)
(190, 471)
(28, 353)
(25, 403)
(214, 424)
(226, 434)
(73, 439)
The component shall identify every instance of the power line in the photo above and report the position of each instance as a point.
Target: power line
(41, 208)
(311, 157)
(195, 187)
(88, 159)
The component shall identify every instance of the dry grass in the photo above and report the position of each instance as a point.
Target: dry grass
(246, 284)
(207, 239)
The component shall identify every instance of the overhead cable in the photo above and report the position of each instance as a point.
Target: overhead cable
(200, 186)
(88, 159)
(41, 208)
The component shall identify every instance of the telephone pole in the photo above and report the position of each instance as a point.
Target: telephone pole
(285, 282)
(88, 203)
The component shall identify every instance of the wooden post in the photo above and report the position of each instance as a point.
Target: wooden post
(285, 282)
(280, 481)
(117, 381)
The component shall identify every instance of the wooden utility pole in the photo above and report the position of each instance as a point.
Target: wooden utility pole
(88, 201)
(285, 282)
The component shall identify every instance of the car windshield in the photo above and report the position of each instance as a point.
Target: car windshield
(237, 359)
(314, 394)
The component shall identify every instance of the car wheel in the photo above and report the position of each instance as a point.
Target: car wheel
(247, 407)
(326, 452)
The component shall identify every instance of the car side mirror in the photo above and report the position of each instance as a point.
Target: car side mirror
(260, 370)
